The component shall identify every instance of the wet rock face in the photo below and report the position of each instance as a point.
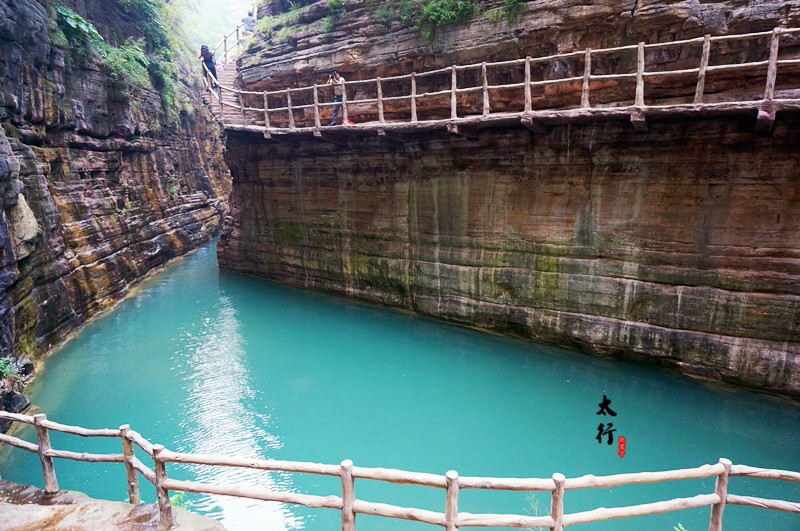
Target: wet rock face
(678, 246)
(97, 188)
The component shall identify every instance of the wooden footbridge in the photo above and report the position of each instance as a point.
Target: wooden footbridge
(680, 78)
(451, 518)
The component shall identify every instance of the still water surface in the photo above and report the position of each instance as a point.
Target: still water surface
(203, 361)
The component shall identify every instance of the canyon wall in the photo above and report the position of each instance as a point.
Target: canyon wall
(679, 245)
(100, 183)
(369, 39)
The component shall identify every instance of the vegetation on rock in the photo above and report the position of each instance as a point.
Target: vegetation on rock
(10, 369)
(424, 15)
(136, 64)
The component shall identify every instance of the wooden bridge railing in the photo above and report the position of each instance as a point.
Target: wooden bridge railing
(231, 44)
(349, 506)
(588, 73)
(225, 51)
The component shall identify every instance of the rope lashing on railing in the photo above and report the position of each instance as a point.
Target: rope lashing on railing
(451, 518)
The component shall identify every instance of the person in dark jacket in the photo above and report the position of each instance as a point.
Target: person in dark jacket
(208, 59)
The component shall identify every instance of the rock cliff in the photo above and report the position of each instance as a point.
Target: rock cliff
(101, 181)
(369, 38)
(679, 246)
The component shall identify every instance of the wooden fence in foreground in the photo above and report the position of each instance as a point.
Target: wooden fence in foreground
(674, 75)
(451, 482)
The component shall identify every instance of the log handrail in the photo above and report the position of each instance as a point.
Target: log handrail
(237, 32)
(451, 518)
(245, 101)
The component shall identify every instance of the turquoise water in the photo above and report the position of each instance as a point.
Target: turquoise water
(203, 361)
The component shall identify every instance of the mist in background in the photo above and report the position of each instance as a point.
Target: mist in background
(207, 21)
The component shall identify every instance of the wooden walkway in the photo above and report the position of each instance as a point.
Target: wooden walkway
(679, 78)
(451, 518)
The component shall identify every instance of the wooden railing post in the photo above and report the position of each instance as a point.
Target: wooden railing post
(344, 103)
(238, 41)
(721, 490)
(380, 101)
(289, 108)
(453, 87)
(348, 496)
(528, 104)
(413, 96)
(485, 89)
(221, 105)
(587, 72)
(772, 68)
(164, 505)
(451, 501)
(639, 99)
(266, 110)
(317, 121)
(557, 502)
(701, 75)
(225, 47)
(130, 472)
(241, 106)
(48, 470)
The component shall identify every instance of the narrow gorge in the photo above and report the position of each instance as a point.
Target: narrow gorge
(533, 264)
(104, 177)
(678, 245)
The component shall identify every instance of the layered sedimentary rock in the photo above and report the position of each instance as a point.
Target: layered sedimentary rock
(363, 43)
(98, 186)
(681, 245)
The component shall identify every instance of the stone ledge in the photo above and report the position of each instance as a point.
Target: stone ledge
(26, 508)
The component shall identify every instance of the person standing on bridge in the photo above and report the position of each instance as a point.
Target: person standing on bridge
(208, 60)
(338, 91)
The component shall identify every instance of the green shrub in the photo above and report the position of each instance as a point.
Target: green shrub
(57, 37)
(80, 34)
(139, 64)
(441, 12)
(269, 24)
(10, 369)
(150, 17)
(326, 24)
(335, 7)
(383, 13)
(164, 77)
(427, 15)
(283, 35)
(409, 10)
(75, 26)
(127, 63)
(513, 9)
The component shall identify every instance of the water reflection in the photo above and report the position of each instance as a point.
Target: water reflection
(206, 362)
(217, 418)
